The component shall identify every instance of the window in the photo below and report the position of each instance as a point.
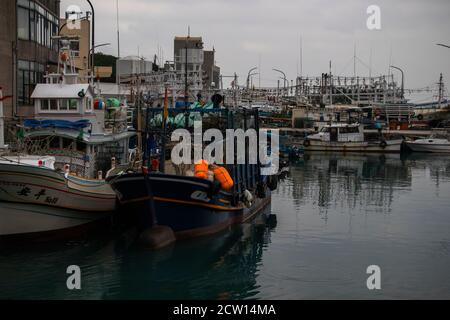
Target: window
(343, 130)
(63, 104)
(47, 33)
(53, 104)
(353, 130)
(73, 104)
(28, 74)
(67, 143)
(75, 47)
(45, 105)
(23, 24)
(32, 26)
(88, 104)
(54, 143)
(36, 24)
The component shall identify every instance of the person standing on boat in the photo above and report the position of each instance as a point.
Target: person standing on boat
(378, 126)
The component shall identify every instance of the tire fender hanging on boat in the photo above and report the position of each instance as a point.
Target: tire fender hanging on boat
(272, 182)
(261, 190)
(248, 198)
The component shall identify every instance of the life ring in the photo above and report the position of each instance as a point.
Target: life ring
(420, 117)
(307, 143)
(383, 144)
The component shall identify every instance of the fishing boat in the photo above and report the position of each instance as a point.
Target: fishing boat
(34, 180)
(61, 156)
(434, 111)
(435, 143)
(343, 137)
(189, 205)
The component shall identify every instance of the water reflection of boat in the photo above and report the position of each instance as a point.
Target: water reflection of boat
(331, 178)
(221, 266)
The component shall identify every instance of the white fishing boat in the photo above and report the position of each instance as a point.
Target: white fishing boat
(61, 156)
(437, 110)
(435, 143)
(342, 137)
(34, 180)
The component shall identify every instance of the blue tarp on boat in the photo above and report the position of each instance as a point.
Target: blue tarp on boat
(64, 124)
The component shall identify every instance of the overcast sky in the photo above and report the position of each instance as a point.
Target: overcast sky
(248, 32)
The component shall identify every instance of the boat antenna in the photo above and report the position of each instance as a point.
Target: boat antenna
(118, 48)
(331, 88)
(301, 56)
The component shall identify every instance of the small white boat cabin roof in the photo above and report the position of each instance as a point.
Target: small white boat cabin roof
(62, 91)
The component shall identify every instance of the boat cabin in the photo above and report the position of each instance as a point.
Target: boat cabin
(70, 102)
(74, 125)
(340, 132)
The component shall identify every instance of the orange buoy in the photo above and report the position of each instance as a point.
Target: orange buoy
(201, 169)
(221, 174)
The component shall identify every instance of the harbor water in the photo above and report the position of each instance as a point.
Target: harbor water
(336, 215)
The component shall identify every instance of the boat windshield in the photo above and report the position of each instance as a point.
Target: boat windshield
(349, 130)
(439, 136)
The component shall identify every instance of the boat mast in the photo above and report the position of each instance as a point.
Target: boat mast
(2, 122)
(186, 97)
(331, 88)
(441, 90)
(118, 49)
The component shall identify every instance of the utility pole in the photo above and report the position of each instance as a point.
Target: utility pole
(118, 47)
(284, 78)
(248, 76)
(93, 39)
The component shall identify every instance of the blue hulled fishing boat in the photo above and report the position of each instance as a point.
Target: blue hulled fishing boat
(189, 205)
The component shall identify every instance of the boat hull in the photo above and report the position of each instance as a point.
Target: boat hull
(392, 146)
(42, 186)
(37, 221)
(428, 147)
(185, 204)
